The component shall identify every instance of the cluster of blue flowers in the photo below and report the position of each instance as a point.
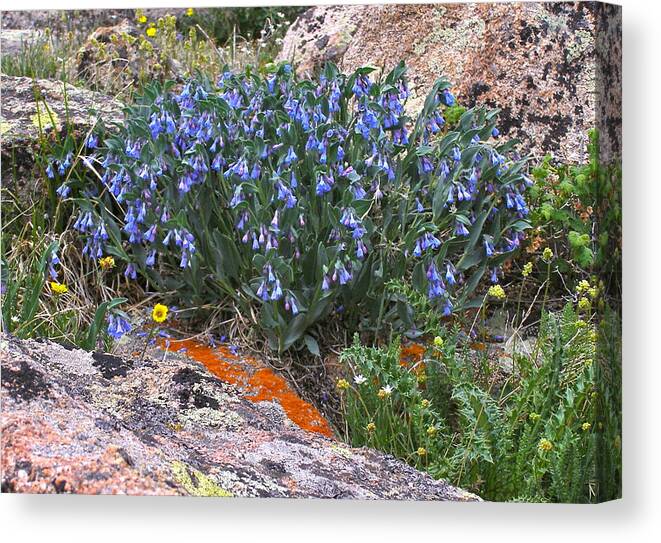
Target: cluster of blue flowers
(281, 166)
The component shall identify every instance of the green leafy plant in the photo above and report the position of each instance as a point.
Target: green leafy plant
(578, 210)
(301, 198)
(549, 432)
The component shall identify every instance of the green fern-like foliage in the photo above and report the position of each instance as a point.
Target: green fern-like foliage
(551, 434)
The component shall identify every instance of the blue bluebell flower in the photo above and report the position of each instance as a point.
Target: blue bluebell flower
(117, 326)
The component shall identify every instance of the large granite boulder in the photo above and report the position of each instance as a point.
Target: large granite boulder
(36, 111)
(32, 108)
(554, 69)
(78, 422)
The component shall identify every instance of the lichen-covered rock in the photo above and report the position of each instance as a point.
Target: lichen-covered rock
(36, 111)
(32, 108)
(96, 423)
(554, 69)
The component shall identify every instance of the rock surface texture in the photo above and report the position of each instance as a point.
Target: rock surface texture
(32, 107)
(554, 69)
(78, 422)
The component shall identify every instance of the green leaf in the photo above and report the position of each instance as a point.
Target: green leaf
(312, 345)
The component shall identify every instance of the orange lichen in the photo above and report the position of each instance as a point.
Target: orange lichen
(411, 353)
(258, 381)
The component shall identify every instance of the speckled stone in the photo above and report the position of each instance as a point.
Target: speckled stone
(553, 69)
(78, 422)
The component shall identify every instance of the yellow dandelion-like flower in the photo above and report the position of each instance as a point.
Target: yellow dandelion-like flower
(586, 426)
(496, 291)
(342, 384)
(544, 445)
(190, 12)
(159, 313)
(107, 262)
(142, 19)
(527, 269)
(432, 431)
(58, 288)
(151, 31)
(438, 342)
(421, 451)
(547, 255)
(370, 427)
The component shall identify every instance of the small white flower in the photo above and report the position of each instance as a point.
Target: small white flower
(385, 392)
(359, 379)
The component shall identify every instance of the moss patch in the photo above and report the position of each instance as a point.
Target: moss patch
(195, 482)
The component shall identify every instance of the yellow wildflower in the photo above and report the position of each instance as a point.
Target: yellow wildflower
(583, 286)
(371, 427)
(432, 431)
(547, 255)
(593, 292)
(190, 12)
(58, 288)
(527, 269)
(425, 403)
(142, 19)
(159, 313)
(581, 323)
(151, 32)
(438, 342)
(107, 262)
(385, 392)
(534, 417)
(545, 445)
(586, 426)
(421, 451)
(496, 291)
(584, 304)
(342, 384)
